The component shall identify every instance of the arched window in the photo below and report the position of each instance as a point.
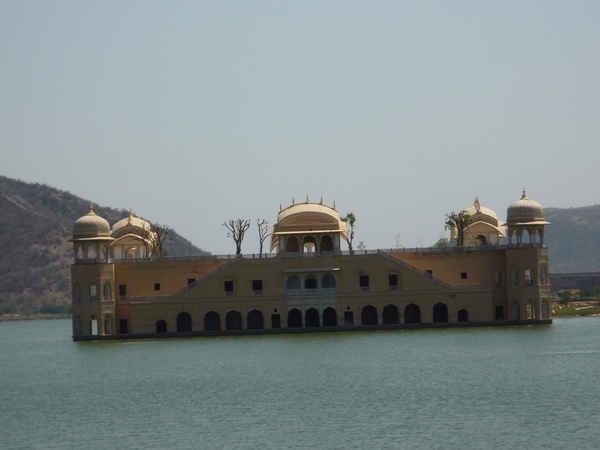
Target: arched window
(326, 244)
(391, 315)
(77, 293)
(161, 326)
(529, 280)
(78, 326)
(233, 320)
(255, 320)
(543, 277)
(514, 277)
(312, 317)
(516, 311)
(212, 321)
(328, 281)
(412, 314)
(184, 322)
(92, 292)
(440, 313)
(92, 253)
(310, 282)
(294, 318)
(329, 317)
(463, 315)
(103, 254)
(309, 245)
(79, 253)
(293, 283)
(368, 316)
(106, 296)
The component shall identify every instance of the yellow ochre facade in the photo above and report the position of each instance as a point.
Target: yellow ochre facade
(307, 283)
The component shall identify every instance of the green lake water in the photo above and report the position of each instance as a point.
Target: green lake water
(527, 387)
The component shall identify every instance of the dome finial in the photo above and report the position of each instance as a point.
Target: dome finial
(91, 209)
(334, 206)
(293, 201)
(524, 194)
(307, 198)
(130, 215)
(321, 202)
(280, 207)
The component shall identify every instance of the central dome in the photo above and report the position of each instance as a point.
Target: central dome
(90, 226)
(524, 210)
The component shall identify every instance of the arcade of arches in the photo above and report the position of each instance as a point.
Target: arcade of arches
(312, 318)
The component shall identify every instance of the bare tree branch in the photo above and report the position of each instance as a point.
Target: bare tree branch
(237, 228)
(263, 233)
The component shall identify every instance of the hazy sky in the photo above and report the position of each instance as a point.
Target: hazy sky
(192, 113)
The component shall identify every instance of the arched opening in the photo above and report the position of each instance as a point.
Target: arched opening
(463, 315)
(255, 320)
(78, 326)
(184, 322)
(326, 244)
(440, 313)
(94, 326)
(391, 315)
(368, 315)
(529, 279)
(292, 245)
(480, 239)
(161, 326)
(312, 317)
(516, 311)
(514, 277)
(310, 282)
(77, 293)
(328, 281)
(106, 293)
(233, 320)
(79, 253)
(293, 283)
(107, 325)
(212, 321)
(294, 318)
(545, 310)
(92, 253)
(526, 237)
(103, 254)
(329, 317)
(412, 314)
(309, 245)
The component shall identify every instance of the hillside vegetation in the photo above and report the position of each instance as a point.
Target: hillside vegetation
(573, 239)
(35, 257)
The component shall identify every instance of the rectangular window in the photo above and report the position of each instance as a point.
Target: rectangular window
(191, 280)
(463, 275)
(157, 286)
(122, 290)
(228, 287)
(123, 326)
(363, 282)
(393, 281)
(257, 287)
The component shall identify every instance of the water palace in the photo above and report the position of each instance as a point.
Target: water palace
(307, 283)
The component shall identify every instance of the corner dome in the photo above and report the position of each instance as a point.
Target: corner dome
(480, 213)
(91, 226)
(308, 213)
(524, 211)
(129, 224)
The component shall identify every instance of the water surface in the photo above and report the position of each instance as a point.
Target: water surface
(530, 387)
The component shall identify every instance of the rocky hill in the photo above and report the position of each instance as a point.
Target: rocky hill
(573, 239)
(35, 257)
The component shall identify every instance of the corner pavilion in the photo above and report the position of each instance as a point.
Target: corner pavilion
(307, 283)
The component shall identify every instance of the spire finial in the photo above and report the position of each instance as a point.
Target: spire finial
(307, 198)
(321, 202)
(334, 206)
(524, 194)
(91, 208)
(293, 201)
(130, 215)
(280, 207)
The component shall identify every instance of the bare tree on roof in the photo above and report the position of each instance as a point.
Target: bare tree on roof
(155, 234)
(237, 229)
(263, 232)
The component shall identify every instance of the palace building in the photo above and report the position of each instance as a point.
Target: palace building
(307, 282)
